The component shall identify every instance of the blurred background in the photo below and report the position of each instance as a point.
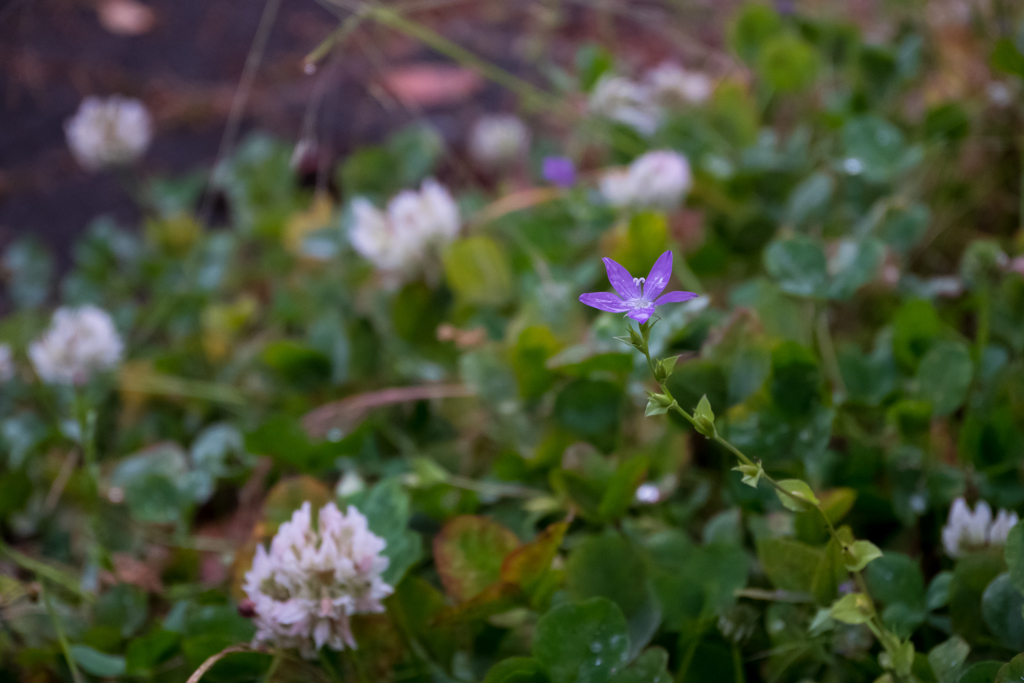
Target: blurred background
(185, 60)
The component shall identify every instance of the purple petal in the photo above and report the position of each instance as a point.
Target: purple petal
(559, 171)
(622, 281)
(658, 277)
(675, 298)
(605, 301)
(641, 315)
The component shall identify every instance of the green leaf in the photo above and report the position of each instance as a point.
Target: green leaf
(469, 552)
(1007, 58)
(860, 554)
(903, 228)
(896, 578)
(27, 268)
(810, 199)
(517, 670)
(799, 266)
(944, 376)
(971, 577)
(795, 380)
(607, 566)
(915, 326)
(582, 643)
(530, 563)
(619, 495)
(796, 495)
(981, 672)
(853, 265)
(98, 663)
(947, 659)
(937, 596)
(790, 565)
(788, 63)
(854, 608)
(1014, 554)
(387, 510)
(1012, 671)
(755, 25)
(1002, 605)
(536, 344)
(478, 271)
(590, 409)
(875, 149)
(697, 378)
(417, 147)
(373, 171)
(649, 667)
(146, 652)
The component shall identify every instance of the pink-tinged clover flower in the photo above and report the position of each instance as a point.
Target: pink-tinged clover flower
(637, 296)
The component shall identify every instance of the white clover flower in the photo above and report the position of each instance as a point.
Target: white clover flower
(498, 139)
(108, 132)
(7, 369)
(671, 85)
(79, 343)
(398, 241)
(627, 102)
(966, 531)
(306, 588)
(656, 180)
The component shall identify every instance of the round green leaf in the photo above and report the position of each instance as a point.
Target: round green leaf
(582, 643)
(1002, 605)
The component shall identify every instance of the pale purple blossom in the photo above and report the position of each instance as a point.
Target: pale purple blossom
(559, 171)
(309, 584)
(637, 296)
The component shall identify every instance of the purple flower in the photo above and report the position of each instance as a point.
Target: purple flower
(559, 171)
(638, 295)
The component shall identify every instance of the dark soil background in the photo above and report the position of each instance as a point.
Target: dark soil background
(186, 68)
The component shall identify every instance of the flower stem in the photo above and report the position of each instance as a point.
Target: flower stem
(61, 636)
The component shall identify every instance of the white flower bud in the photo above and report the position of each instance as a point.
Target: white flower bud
(627, 102)
(309, 584)
(671, 85)
(499, 139)
(108, 132)
(79, 343)
(656, 180)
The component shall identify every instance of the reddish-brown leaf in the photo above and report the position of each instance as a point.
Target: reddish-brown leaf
(469, 552)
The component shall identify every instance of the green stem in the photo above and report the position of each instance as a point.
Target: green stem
(890, 642)
(684, 665)
(984, 321)
(529, 92)
(737, 664)
(61, 636)
(276, 662)
(828, 354)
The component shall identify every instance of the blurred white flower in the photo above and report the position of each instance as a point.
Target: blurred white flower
(79, 343)
(108, 132)
(627, 102)
(966, 531)
(305, 589)
(648, 494)
(656, 180)
(671, 85)
(398, 241)
(7, 369)
(498, 139)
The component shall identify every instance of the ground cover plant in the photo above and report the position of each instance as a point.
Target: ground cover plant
(691, 376)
